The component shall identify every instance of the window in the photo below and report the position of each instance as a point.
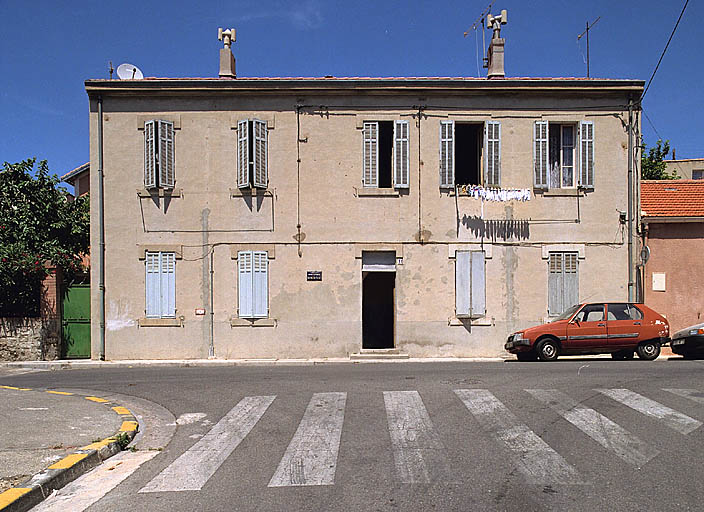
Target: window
(563, 282)
(253, 284)
(470, 154)
(385, 154)
(591, 313)
(558, 149)
(158, 154)
(470, 284)
(252, 169)
(698, 174)
(624, 312)
(160, 284)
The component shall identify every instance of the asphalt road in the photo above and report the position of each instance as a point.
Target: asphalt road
(586, 434)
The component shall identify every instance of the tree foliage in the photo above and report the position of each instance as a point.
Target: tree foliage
(39, 228)
(652, 164)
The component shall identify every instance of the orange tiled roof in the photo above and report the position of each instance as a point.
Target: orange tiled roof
(672, 198)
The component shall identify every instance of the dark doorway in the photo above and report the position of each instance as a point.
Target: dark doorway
(468, 151)
(378, 309)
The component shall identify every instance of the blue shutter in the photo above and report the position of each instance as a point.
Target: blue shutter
(555, 284)
(478, 284)
(260, 153)
(462, 283)
(166, 154)
(168, 285)
(401, 156)
(243, 154)
(370, 154)
(150, 154)
(244, 283)
(540, 154)
(260, 284)
(570, 280)
(152, 284)
(447, 154)
(492, 153)
(586, 154)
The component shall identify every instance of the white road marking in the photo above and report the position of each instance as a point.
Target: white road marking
(692, 394)
(673, 419)
(536, 460)
(194, 467)
(311, 456)
(600, 428)
(190, 417)
(419, 455)
(89, 488)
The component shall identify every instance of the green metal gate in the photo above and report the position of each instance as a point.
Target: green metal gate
(75, 322)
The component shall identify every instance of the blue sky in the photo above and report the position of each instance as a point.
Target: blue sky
(49, 48)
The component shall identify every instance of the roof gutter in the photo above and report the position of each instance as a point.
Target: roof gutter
(671, 220)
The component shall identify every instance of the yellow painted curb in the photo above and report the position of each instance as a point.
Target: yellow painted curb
(96, 399)
(59, 393)
(99, 444)
(69, 461)
(128, 426)
(11, 495)
(121, 410)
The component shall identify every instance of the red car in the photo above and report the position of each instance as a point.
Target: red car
(618, 328)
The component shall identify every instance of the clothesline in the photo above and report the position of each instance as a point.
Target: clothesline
(495, 194)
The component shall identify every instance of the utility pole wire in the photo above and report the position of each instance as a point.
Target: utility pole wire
(663, 52)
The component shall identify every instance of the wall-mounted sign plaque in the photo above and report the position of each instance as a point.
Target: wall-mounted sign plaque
(314, 275)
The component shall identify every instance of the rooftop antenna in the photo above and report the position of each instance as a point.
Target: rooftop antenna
(475, 25)
(226, 36)
(127, 71)
(111, 70)
(586, 31)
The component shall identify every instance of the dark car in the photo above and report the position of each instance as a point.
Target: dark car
(617, 328)
(689, 342)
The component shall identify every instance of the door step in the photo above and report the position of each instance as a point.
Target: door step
(378, 354)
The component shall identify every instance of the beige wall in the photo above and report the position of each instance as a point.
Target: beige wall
(323, 319)
(684, 168)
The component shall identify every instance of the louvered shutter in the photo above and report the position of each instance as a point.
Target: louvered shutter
(492, 153)
(166, 154)
(260, 285)
(244, 283)
(571, 280)
(478, 285)
(586, 155)
(260, 154)
(401, 156)
(447, 154)
(153, 284)
(370, 154)
(540, 154)
(555, 284)
(149, 154)
(243, 154)
(463, 264)
(168, 285)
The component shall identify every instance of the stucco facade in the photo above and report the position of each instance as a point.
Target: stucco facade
(315, 215)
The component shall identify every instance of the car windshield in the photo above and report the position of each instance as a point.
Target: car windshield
(567, 313)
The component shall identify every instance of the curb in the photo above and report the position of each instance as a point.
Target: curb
(28, 494)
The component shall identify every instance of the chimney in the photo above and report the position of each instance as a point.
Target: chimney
(495, 52)
(227, 60)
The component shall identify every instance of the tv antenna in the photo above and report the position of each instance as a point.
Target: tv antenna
(127, 71)
(586, 31)
(475, 25)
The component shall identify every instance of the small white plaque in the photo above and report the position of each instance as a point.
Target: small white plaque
(658, 281)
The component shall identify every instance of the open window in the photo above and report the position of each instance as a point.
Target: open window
(159, 154)
(385, 154)
(252, 168)
(563, 155)
(470, 154)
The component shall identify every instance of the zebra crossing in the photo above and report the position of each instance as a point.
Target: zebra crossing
(419, 454)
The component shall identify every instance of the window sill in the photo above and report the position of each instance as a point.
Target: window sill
(252, 322)
(474, 322)
(563, 192)
(160, 322)
(161, 192)
(376, 192)
(249, 192)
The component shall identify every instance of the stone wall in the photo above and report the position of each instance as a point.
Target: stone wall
(27, 339)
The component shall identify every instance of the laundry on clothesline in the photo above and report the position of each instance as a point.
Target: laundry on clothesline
(495, 194)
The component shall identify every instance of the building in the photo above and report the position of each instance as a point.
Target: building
(326, 217)
(79, 179)
(686, 168)
(673, 232)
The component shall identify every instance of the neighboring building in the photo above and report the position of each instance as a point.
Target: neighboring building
(322, 217)
(673, 230)
(79, 179)
(686, 168)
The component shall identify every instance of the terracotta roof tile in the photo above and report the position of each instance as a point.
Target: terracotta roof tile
(672, 198)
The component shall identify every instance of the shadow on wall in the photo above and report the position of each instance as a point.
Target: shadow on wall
(497, 229)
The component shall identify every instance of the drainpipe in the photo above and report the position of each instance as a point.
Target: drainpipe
(631, 295)
(101, 229)
(211, 348)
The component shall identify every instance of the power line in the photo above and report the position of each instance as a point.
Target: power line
(663, 52)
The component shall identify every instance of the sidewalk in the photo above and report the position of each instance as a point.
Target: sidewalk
(51, 437)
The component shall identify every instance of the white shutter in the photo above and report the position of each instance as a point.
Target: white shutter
(243, 154)
(260, 285)
(166, 154)
(370, 154)
(447, 154)
(153, 284)
(478, 285)
(555, 284)
(586, 154)
(401, 156)
(149, 154)
(540, 154)
(260, 154)
(492, 153)
(244, 283)
(570, 280)
(463, 265)
(168, 285)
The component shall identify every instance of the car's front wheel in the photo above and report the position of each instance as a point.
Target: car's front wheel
(648, 350)
(547, 350)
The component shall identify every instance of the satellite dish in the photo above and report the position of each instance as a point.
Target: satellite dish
(129, 72)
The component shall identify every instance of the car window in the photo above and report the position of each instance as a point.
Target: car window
(566, 314)
(622, 311)
(591, 313)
